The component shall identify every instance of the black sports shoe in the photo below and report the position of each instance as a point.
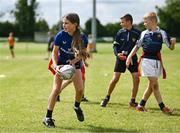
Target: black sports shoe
(133, 105)
(49, 122)
(79, 113)
(104, 102)
(58, 98)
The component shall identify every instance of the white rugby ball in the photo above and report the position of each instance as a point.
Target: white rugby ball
(66, 72)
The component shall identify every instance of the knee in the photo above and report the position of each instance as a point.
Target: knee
(56, 91)
(136, 79)
(154, 85)
(114, 80)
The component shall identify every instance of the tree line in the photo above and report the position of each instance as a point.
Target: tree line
(26, 22)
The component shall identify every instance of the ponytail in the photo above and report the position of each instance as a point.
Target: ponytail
(77, 42)
(78, 47)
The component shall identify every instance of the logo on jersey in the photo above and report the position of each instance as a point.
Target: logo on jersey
(64, 42)
(159, 35)
(133, 39)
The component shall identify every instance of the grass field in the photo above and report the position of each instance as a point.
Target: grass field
(25, 84)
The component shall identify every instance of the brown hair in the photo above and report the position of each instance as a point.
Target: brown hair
(151, 16)
(77, 43)
(127, 17)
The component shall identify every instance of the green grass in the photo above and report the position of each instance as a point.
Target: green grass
(27, 84)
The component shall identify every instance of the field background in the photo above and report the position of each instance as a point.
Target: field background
(25, 84)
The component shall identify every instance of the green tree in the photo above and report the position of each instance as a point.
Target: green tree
(140, 26)
(25, 14)
(169, 16)
(56, 27)
(6, 28)
(41, 26)
(101, 30)
(112, 29)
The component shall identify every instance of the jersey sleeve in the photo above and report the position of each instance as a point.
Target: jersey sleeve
(166, 38)
(116, 44)
(139, 42)
(58, 39)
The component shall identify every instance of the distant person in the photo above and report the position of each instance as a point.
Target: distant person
(124, 42)
(11, 42)
(50, 43)
(90, 46)
(71, 45)
(151, 41)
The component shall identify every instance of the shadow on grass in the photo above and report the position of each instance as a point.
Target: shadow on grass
(92, 102)
(118, 104)
(176, 112)
(92, 128)
(109, 105)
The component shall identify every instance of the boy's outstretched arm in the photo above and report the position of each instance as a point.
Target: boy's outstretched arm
(129, 58)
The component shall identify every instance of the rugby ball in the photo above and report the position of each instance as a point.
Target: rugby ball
(66, 72)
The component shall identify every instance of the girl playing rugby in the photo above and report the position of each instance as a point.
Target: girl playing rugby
(71, 45)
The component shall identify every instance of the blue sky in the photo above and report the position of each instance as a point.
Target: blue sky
(107, 10)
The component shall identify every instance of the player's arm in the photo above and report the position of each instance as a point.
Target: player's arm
(170, 42)
(74, 61)
(115, 45)
(55, 56)
(133, 52)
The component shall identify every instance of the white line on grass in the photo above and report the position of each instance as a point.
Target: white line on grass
(2, 76)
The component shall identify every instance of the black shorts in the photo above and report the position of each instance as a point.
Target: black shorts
(11, 47)
(120, 66)
(77, 65)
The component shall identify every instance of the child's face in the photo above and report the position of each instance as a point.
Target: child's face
(124, 23)
(68, 26)
(148, 23)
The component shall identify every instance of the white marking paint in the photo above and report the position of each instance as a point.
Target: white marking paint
(2, 76)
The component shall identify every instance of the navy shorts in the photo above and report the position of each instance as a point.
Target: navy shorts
(120, 66)
(77, 65)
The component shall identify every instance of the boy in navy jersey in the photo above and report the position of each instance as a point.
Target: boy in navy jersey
(151, 42)
(124, 42)
(69, 48)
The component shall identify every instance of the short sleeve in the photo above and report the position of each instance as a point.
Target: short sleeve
(166, 38)
(58, 39)
(140, 41)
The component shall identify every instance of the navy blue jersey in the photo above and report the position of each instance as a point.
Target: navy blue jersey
(151, 42)
(125, 40)
(64, 40)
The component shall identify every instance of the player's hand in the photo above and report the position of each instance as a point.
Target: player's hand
(58, 67)
(72, 62)
(121, 56)
(128, 62)
(173, 41)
